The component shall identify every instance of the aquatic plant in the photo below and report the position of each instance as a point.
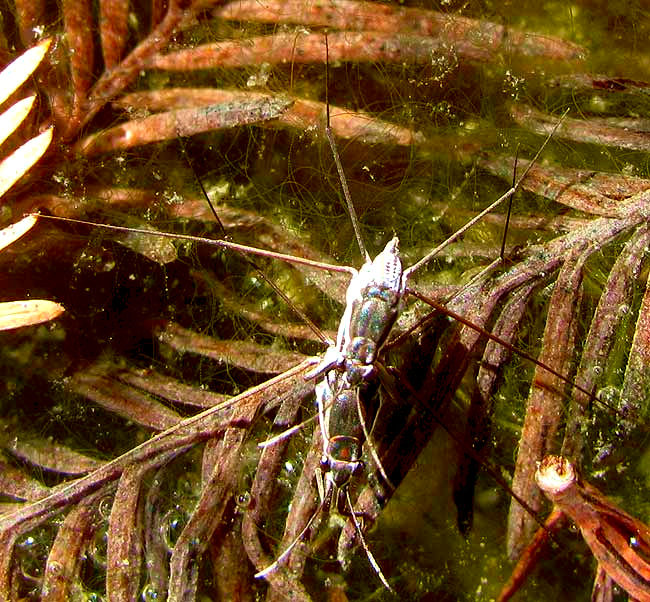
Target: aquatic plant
(112, 474)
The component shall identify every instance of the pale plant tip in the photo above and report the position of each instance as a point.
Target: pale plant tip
(265, 573)
(14, 75)
(16, 314)
(12, 233)
(22, 159)
(555, 475)
(14, 116)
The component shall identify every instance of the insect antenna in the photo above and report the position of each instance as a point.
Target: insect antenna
(215, 242)
(509, 211)
(479, 216)
(339, 166)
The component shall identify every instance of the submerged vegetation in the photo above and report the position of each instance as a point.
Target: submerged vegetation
(129, 460)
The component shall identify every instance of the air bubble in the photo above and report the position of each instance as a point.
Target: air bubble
(105, 506)
(608, 395)
(244, 500)
(261, 78)
(150, 593)
(172, 525)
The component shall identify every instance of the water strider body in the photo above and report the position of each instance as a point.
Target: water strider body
(373, 301)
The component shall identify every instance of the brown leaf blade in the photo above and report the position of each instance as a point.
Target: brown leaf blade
(17, 483)
(184, 122)
(47, 454)
(77, 18)
(453, 30)
(61, 580)
(122, 399)
(544, 406)
(113, 30)
(604, 132)
(303, 114)
(244, 354)
(125, 536)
